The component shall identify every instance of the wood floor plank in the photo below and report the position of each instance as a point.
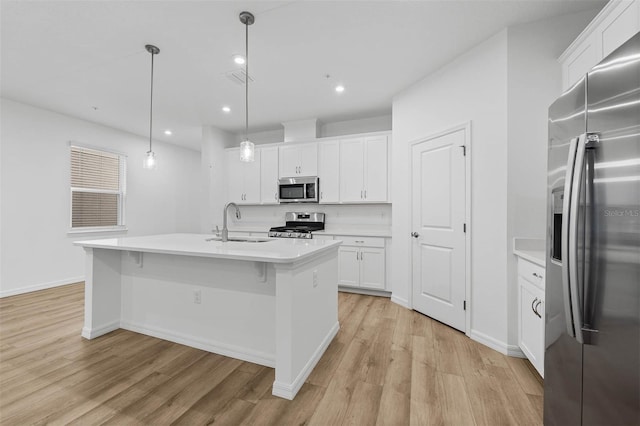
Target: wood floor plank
(452, 395)
(395, 401)
(387, 366)
(530, 385)
(425, 408)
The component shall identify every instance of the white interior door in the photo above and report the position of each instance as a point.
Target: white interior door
(438, 221)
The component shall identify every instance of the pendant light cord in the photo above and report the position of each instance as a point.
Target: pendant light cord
(246, 79)
(151, 106)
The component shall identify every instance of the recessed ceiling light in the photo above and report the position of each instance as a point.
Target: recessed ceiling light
(340, 88)
(238, 59)
(168, 132)
(226, 109)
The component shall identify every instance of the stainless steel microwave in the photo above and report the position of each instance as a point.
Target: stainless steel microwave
(298, 190)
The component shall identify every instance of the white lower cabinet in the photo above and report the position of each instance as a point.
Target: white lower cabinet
(531, 312)
(361, 262)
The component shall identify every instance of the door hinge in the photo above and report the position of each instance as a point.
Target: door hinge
(464, 150)
(464, 305)
(464, 228)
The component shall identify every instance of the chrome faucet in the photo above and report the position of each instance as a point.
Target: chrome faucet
(225, 231)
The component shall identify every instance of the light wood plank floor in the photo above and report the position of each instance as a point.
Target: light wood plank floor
(387, 366)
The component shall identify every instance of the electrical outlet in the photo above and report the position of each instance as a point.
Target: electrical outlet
(197, 297)
(315, 278)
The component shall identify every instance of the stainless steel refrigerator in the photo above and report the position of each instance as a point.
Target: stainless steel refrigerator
(592, 332)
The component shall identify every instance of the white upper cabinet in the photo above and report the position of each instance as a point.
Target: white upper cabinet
(298, 159)
(364, 170)
(269, 175)
(328, 171)
(375, 169)
(243, 179)
(616, 23)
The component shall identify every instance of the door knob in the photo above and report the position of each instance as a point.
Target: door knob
(415, 234)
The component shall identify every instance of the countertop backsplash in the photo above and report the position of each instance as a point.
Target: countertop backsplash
(338, 216)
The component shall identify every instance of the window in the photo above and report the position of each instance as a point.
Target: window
(97, 189)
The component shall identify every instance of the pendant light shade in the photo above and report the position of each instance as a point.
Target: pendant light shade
(150, 161)
(247, 148)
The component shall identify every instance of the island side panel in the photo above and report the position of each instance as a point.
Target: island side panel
(306, 318)
(102, 291)
(218, 305)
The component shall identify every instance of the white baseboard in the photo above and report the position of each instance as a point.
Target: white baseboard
(244, 354)
(366, 291)
(400, 301)
(289, 390)
(92, 333)
(43, 286)
(491, 342)
(515, 351)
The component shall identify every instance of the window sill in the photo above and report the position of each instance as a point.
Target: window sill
(100, 230)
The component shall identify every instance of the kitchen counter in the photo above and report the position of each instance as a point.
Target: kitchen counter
(531, 249)
(276, 250)
(273, 303)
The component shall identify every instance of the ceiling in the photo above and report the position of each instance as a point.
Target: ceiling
(87, 58)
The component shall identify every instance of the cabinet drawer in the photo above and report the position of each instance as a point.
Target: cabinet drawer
(316, 236)
(531, 272)
(361, 241)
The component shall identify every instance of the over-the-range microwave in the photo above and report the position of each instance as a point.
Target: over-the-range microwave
(299, 189)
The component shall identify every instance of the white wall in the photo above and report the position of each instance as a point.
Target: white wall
(36, 250)
(503, 87)
(534, 83)
(350, 127)
(214, 172)
(328, 129)
(470, 89)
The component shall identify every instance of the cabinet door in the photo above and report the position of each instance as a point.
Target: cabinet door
(308, 159)
(251, 172)
(329, 171)
(235, 178)
(622, 23)
(352, 170)
(372, 268)
(288, 161)
(349, 266)
(531, 327)
(269, 175)
(375, 169)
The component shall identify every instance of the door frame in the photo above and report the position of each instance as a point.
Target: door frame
(466, 127)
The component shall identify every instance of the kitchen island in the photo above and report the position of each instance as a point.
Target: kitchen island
(270, 302)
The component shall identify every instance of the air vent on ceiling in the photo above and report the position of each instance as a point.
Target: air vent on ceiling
(238, 76)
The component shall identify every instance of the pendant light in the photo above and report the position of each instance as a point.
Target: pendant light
(247, 148)
(150, 161)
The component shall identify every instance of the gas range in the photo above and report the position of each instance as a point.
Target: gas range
(299, 225)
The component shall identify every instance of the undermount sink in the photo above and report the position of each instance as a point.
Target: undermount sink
(241, 239)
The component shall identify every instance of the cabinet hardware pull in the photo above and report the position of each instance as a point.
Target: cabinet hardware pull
(361, 195)
(359, 241)
(357, 256)
(533, 303)
(537, 275)
(415, 234)
(365, 194)
(536, 308)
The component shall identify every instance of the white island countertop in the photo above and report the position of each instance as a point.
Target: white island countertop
(276, 250)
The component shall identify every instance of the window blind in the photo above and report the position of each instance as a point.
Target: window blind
(97, 183)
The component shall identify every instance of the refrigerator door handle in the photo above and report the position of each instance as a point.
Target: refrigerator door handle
(566, 288)
(574, 209)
